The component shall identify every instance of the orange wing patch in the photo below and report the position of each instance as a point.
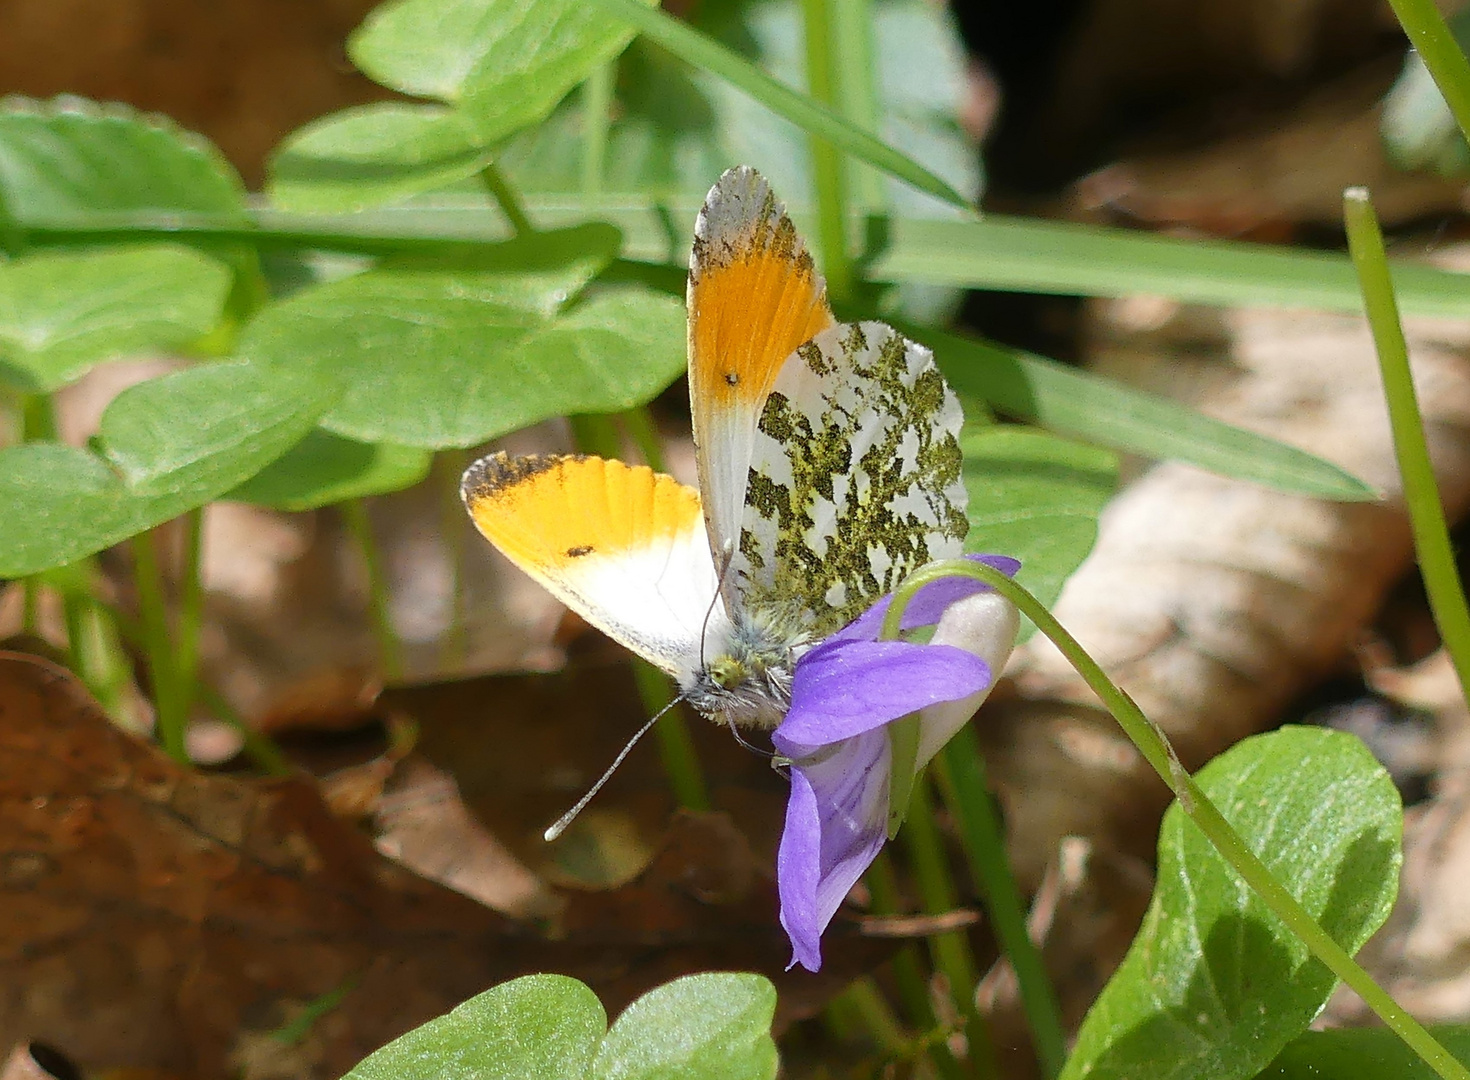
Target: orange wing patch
(546, 512)
(754, 295)
(622, 546)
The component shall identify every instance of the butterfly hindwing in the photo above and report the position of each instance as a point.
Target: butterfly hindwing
(855, 479)
(621, 545)
(754, 296)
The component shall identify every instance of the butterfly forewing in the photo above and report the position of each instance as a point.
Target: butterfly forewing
(621, 545)
(855, 479)
(754, 295)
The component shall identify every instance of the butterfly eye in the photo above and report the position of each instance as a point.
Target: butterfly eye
(727, 672)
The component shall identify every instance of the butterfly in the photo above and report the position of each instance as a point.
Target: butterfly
(829, 468)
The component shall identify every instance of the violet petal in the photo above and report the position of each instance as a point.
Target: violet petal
(928, 604)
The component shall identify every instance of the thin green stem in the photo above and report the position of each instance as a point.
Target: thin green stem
(951, 949)
(829, 168)
(264, 752)
(37, 418)
(390, 649)
(168, 702)
(1441, 54)
(508, 199)
(191, 609)
(644, 433)
(855, 68)
(675, 745)
(596, 433)
(30, 605)
(960, 773)
(867, 1003)
(1154, 746)
(1421, 494)
(455, 645)
(597, 96)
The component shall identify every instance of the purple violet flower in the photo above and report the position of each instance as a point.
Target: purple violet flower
(845, 691)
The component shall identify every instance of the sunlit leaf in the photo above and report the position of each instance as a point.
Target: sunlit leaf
(713, 1026)
(545, 1027)
(506, 63)
(74, 160)
(373, 154)
(1214, 984)
(1362, 1054)
(63, 312)
(183, 436)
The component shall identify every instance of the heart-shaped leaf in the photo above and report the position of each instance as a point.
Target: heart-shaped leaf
(61, 312)
(506, 63)
(1035, 497)
(186, 437)
(1214, 984)
(713, 1026)
(324, 468)
(72, 159)
(373, 154)
(539, 1027)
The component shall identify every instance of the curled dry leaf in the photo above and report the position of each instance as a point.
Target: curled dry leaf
(1211, 601)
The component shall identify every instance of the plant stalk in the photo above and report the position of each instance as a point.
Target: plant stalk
(1441, 54)
(829, 172)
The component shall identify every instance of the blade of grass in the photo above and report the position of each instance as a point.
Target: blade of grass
(1421, 493)
(829, 175)
(1070, 402)
(1441, 54)
(695, 48)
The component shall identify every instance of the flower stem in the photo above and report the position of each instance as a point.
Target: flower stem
(597, 95)
(960, 772)
(951, 949)
(172, 722)
(1154, 746)
(390, 651)
(191, 609)
(1426, 515)
(675, 744)
(453, 529)
(1441, 54)
(508, 199)
(829, 172)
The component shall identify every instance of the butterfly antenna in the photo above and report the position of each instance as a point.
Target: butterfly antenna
(727, 558)
(571, 815)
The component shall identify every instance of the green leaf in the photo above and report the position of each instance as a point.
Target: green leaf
(538, 1027)
(72, 160)
(1102, 411)
(1021, 255)
(1214, 985)
(184, 436)
(324, 468)
(185, 429)
(1361, 1054)
(433, 358)
(1037, 498)
(716, 1025)
(506, 63)
(63, 312)
(373, 154)
(704, 52)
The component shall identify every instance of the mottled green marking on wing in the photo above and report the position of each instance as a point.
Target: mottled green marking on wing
(855, 480)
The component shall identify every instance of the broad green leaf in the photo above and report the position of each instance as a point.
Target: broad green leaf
(185, 429)
(435, 358)
(714, 1026)
(73, 160)
(61, 312)
(618, 350)
(59, 503)
(506, 63)
(538, 1027)
(373, 154)
(675, 128)
(709, 55)
(1361, 1054)
(324, 468)
(1035, 497)
(1214, 985)
(1101, 411)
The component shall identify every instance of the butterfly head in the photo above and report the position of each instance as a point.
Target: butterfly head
(746, 678)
